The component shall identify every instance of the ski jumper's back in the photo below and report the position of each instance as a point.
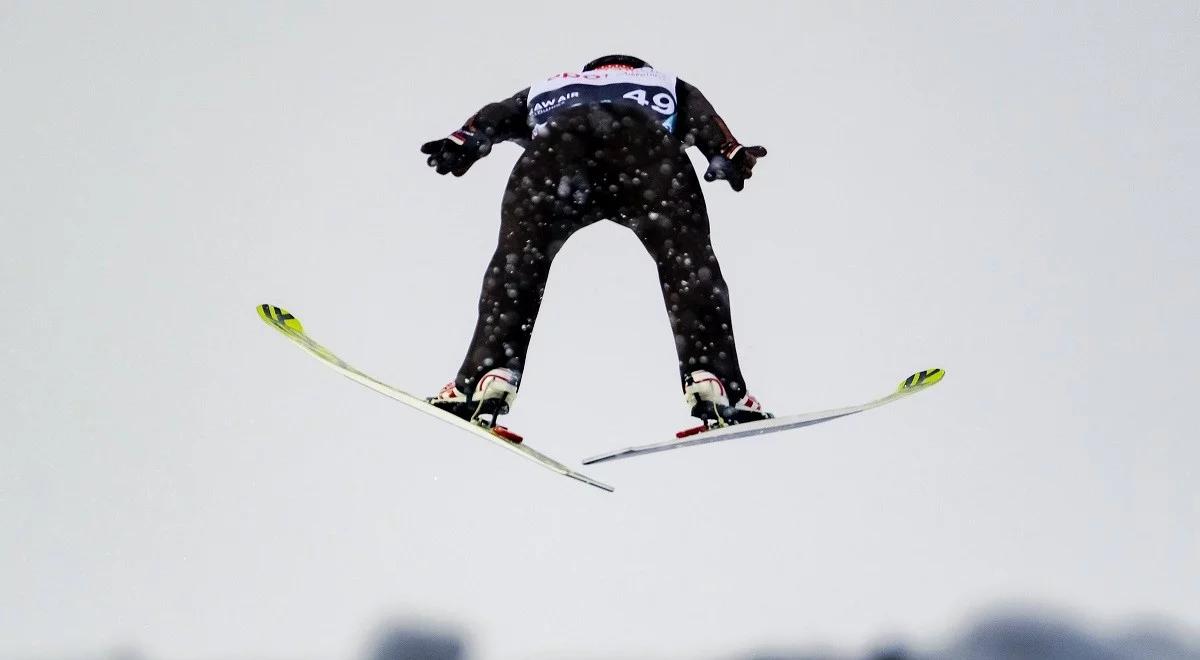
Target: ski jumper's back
(644, 93)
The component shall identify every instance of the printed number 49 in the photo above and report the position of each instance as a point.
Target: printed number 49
(662, 102)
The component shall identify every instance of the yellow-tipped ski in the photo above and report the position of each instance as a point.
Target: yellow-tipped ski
(279, 316)
(911, 385)
(921, 380)
(289, 326)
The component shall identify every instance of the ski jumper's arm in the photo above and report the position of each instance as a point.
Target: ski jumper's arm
(701, 125)
(495, 122)
(501, 121)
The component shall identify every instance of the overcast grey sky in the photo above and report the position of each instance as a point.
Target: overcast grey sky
(1005, 190)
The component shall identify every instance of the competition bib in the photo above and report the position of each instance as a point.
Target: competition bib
(651, 91)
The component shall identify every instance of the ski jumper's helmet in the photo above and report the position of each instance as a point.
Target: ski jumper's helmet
(616, 60)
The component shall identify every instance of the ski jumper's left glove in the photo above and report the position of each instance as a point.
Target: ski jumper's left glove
(457, 153)
(734, 164)
(701, 126)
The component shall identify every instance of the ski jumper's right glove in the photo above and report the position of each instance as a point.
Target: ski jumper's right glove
(735, 164)
(494, 123)
(457, 153)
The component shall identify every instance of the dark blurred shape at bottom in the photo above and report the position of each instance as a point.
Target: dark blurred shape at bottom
(1022, 633)
(416, 643)
(1040, 635)
(1030, 634)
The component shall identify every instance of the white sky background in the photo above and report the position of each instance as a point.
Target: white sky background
(1006, 191)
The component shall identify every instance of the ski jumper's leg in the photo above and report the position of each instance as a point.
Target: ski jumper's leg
(668, 214)
(547, 199)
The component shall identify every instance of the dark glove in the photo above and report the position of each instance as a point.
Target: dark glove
(734, 164)
(457, 153)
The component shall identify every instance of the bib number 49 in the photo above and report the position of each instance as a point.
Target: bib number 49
(661, 103)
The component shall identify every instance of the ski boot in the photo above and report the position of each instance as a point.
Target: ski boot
(492, 397)
(709, 401)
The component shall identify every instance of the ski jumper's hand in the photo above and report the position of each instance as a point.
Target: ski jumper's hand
(735, 164)
(495, 122)
(457, 153)
(728, 159)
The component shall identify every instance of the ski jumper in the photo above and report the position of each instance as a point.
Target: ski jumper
(606, 144)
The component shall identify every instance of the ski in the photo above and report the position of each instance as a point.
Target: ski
(289, 326)
(917, 382)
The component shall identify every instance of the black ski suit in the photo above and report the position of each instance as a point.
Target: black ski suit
(604, 161)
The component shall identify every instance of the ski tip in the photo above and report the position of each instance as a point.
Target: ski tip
(279, 316)
(921, 380)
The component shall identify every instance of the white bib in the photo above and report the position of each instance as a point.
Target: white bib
(647, 89)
